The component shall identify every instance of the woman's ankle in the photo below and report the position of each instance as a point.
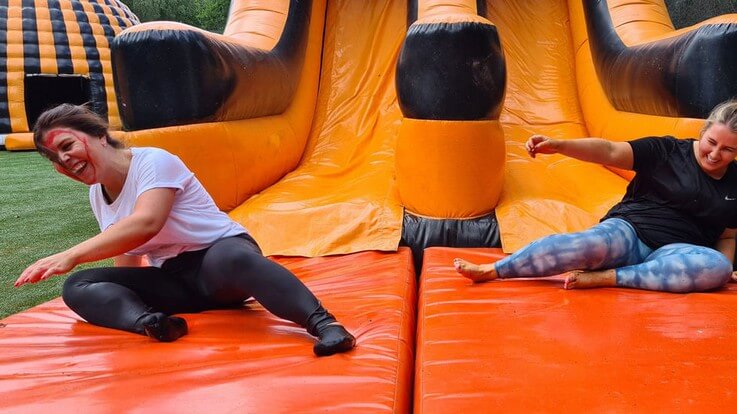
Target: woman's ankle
(163, 328)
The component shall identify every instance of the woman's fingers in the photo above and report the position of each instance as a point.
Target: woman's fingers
(542, 146)
(537, 144)
(27, 276)
(42, 270)
(47, 274)
(530, 146)
(23, 279)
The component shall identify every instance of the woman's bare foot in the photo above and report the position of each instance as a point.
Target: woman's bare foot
(477, 273)
(580, 279)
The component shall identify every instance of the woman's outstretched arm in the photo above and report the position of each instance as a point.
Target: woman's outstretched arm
(596, 150)
(149, 215)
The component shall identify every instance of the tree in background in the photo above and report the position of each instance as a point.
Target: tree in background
(685, 13)
(212, 14)
(205, 14)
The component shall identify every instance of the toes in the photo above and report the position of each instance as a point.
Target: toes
(570, 282)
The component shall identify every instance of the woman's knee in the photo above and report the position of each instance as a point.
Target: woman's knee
(224, 276)
(72, 290)
(594, 248)
(694, 269)
(715, 273)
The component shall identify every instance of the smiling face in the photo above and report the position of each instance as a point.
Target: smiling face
(716, 149)
(73, 153)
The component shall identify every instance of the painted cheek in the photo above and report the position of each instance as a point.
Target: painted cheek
(90, 162)
(64, 171)
(80, 137)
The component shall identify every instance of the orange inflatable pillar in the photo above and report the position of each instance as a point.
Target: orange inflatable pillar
(450, 169)
(451, 78)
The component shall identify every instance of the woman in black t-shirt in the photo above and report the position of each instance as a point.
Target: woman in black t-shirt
(673, 231)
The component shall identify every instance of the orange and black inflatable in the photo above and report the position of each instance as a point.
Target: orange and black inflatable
(52, 52)
(337, 132)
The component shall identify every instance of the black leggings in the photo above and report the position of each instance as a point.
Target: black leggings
(221, 276)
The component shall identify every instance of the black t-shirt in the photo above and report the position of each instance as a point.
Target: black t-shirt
(672, 200)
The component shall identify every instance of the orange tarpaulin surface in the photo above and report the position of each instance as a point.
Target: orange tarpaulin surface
(548, 194)
(342, 196)
(241, 360)
(531, 346)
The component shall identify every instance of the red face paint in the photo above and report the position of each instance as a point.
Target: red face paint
(47, 147)
(53, 134)
(52, 152)
(59, 168)
(91, 163)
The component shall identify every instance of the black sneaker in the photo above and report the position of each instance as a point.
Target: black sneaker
(164, 328)
(333, 339)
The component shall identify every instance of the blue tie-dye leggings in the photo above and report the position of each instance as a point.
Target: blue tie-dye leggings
(613, 244)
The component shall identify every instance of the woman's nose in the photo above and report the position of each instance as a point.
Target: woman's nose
(63, 157)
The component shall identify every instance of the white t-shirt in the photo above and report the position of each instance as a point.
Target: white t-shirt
(194, 222)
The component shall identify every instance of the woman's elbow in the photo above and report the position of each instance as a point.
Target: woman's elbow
(148, 227)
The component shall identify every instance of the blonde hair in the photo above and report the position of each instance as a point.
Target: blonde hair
(724, 113)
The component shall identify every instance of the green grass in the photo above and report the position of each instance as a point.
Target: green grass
(41, 213)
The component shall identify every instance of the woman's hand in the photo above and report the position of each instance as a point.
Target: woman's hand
(540, 144)
(596, 150)
(733, 279)
(43, 269)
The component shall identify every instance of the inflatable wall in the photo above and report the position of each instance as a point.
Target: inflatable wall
(371, 137)
(326, 137)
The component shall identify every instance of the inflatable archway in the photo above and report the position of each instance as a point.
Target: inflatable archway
(53, 52)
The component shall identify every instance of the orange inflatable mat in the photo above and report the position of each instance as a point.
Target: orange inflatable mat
(232, 361)
(530, 346)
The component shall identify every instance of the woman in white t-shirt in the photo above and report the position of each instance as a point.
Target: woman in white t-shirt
(149, 204)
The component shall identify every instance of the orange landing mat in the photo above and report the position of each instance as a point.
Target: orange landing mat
(530, 346)
(233, 361)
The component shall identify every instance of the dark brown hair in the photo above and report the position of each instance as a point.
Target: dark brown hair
(77, 117)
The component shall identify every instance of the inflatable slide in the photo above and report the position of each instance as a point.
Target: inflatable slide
(365, 144)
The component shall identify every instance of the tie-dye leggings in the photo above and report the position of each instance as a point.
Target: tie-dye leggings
(613, 244)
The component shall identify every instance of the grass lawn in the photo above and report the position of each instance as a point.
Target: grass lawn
(42, 213)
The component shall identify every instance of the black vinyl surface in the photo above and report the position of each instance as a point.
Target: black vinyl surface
(683, 76)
